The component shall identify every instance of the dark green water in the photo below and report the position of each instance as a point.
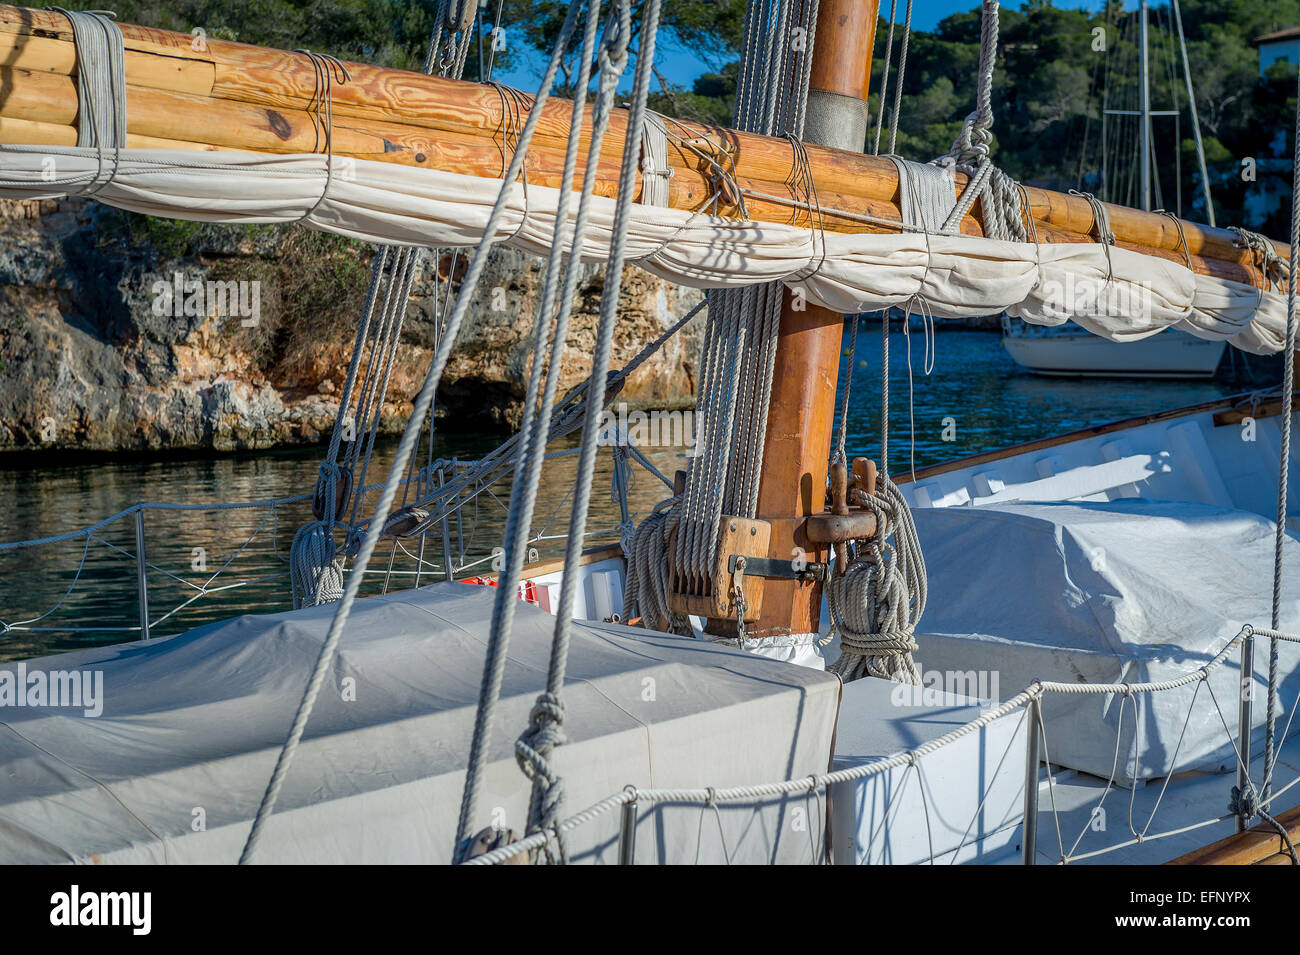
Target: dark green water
(974, 382)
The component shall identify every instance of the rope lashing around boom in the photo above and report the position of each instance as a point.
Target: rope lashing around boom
(101, 91)
(1273, 267)
(655, 170)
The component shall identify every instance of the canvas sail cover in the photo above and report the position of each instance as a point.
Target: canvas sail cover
(1129, 590)
(174, 766)
(1113, 292)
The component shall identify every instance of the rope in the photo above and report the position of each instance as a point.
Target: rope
(1100, 227)
(534, 747)
(998, 193)
(815, 783)
(739, 350)
(884, 75)
(316, 569)
(655, 170)
(320, 108)
(876, 602)
(536, 422)
(422, 404)
(1288, 393)
(898, 80)
(101, 90)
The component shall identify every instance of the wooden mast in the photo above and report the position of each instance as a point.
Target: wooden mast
(802, 414)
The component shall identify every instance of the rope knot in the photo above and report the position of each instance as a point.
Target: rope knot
(1244, 802)
(545, 731)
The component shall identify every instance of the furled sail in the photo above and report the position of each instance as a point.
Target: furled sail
(322, 151)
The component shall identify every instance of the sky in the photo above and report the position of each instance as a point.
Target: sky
(681, 66)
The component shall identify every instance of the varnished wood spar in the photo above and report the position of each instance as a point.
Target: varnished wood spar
(48, 134)
(40, 109)
(40, 41)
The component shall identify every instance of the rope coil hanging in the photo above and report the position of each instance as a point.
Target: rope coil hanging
(877, 601)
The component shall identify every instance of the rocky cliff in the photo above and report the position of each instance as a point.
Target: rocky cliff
(97, 353)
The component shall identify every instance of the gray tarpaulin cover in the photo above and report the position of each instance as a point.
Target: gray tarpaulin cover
(1119, 591)
(173, 768)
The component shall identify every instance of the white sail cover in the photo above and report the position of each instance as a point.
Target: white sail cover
(1113, 292)
(1129, 590)
(174, 766)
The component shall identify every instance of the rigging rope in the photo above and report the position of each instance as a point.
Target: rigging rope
(534, 746)
(1288, 403)
(998, 193)
(739, 349)
(316, 560)
(406, 446)
(546, 720)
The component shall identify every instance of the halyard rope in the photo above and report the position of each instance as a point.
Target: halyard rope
(410, 437)
(1288, 393)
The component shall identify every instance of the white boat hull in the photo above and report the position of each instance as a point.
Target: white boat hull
(1167, 355)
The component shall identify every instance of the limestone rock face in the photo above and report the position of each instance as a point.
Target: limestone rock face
(103, 345)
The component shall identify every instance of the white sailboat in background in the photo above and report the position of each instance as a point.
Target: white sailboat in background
(1072, 352)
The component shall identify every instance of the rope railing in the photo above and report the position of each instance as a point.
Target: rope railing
(1028, 699)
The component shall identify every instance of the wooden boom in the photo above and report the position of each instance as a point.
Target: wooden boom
(186, 92)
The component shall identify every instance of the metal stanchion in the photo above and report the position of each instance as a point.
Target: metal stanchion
(141, 569)
(1033, 748)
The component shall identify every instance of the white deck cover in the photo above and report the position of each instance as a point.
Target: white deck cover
(173, 769)
(1121, 591)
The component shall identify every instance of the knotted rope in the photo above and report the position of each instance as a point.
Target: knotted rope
(410, 437)
(998, 193)
(876, 601)
(534, 746)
